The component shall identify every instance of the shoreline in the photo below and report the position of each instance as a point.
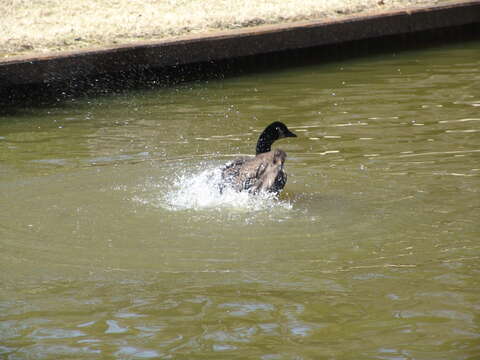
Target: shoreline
(52, 26)
(192, 57)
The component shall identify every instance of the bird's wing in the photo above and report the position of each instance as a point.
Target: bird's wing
(231, 173)
(260, 173)
(267, 180)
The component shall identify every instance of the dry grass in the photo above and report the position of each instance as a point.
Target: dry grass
(50, 25)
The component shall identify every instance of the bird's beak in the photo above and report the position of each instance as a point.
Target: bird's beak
(290, 134)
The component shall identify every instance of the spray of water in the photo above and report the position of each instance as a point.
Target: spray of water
(200, 191)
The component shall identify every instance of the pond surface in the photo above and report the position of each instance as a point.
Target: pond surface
(115, 245)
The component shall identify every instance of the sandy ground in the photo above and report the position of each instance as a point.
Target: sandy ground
(43, 26)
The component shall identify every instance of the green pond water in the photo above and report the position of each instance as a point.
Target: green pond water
(115, 244)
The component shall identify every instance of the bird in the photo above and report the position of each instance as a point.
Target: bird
(263, 172)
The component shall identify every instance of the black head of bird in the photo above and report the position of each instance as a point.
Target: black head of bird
(274, 131)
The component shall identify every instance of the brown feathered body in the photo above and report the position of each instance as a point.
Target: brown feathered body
(264, 172)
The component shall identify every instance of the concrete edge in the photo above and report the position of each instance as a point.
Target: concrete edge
(66, 66)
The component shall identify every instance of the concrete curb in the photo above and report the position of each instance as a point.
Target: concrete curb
(67, 66)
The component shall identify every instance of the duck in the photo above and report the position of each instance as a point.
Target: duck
(264, 172)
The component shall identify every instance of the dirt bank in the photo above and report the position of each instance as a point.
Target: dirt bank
(53, 25)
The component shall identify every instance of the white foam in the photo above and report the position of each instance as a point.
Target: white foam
(200, 191)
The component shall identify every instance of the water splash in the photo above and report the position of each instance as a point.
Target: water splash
(200, 191)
